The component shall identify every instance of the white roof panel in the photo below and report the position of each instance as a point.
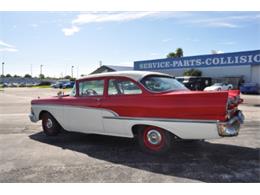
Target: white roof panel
(135, 75)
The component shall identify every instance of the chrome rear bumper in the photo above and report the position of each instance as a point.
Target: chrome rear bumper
(231, 127)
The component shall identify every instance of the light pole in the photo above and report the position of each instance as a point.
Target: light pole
(3, 67)
(41, 75)
(77, 71)
(41, 69)
(72, 71)
(31, 70)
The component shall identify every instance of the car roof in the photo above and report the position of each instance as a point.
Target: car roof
(135, 75)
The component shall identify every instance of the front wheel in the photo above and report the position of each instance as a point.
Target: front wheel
(50, 126)
(155, 140)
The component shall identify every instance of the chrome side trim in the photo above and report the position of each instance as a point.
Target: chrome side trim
(84, 107)
(160, 119)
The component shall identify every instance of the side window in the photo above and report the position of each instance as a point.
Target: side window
(91, 88)
(117, 87)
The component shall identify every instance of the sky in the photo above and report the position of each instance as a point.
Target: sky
(60, 40)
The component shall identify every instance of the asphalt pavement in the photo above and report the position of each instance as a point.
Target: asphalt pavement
(27, 155)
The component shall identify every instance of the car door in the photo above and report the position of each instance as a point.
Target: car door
(82, 112)
(122, 99)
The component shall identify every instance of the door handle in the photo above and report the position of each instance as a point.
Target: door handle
(98, 99)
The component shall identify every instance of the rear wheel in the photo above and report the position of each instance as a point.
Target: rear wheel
(50, 126)
(155, 140)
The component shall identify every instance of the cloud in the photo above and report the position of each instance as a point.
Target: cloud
(7, 47)
(223, 21)
(101, 17)
(167, 40)
(200, 19)
(216, 51)
(3, 44)
(214, 22)
(192, 39)
(227, 43)
(222, 24)
(70, 31)
(110, 17)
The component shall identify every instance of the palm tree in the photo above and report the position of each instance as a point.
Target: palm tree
(171, 55)
(179, 52)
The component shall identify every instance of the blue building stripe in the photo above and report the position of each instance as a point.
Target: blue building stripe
(203, 61)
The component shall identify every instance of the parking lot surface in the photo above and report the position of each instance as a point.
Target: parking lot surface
(27, 155)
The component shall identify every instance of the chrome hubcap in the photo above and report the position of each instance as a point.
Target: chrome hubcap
(154, 137)
(49, 123)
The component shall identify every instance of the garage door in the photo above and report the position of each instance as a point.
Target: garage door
(255, 74)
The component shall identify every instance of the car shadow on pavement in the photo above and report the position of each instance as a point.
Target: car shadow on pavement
(202, 161)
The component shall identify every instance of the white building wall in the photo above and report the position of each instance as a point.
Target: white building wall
(255, 74)
(223, 71)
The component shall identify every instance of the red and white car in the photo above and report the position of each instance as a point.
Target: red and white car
(153, 107)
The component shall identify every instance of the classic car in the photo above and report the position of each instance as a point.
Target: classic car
(252, 88)
(68, 84)
(59, 84)
(195, 82)
(219, 87)
(152, 107)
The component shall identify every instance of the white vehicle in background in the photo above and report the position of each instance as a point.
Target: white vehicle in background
(219, 87)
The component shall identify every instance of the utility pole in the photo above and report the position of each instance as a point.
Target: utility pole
(41, 69)
(31, 70)
(3, 67)
(72, 71)
(100, 63)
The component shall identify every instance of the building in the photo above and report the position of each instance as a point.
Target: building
(110, 68)
(233, 67)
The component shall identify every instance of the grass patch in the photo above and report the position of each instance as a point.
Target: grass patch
(42, 86)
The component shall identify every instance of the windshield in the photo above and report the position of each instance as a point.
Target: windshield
(73, 91)
(162, 84)
(217, 84)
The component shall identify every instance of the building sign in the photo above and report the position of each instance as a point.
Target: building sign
(214, 60)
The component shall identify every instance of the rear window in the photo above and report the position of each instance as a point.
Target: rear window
(119, 87)
(162, 84)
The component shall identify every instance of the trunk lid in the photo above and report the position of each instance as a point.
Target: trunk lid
(205, 105)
